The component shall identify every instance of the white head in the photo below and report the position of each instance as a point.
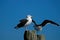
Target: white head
(29, 16)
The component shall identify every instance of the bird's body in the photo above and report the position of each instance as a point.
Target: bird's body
(39, 26)
(24, 22)
(29, 21)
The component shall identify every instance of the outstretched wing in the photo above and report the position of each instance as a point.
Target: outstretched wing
(48, 21)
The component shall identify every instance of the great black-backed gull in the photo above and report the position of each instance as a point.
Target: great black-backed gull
(39, 26)
(24, 22)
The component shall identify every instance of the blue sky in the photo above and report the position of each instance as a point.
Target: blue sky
(11, 11)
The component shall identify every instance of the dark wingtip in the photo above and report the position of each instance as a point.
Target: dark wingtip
(58, 25)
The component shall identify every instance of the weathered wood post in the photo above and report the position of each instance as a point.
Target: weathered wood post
(31, 35)
(40, 37)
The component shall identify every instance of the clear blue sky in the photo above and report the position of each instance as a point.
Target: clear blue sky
(11, 11)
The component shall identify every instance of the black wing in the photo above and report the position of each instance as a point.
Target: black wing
(23, 20)
(48, 21)
(21, 24)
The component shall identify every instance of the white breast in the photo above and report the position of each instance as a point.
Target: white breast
(28, 22)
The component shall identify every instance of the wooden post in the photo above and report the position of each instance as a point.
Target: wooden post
(40, 37)
(31, 35)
